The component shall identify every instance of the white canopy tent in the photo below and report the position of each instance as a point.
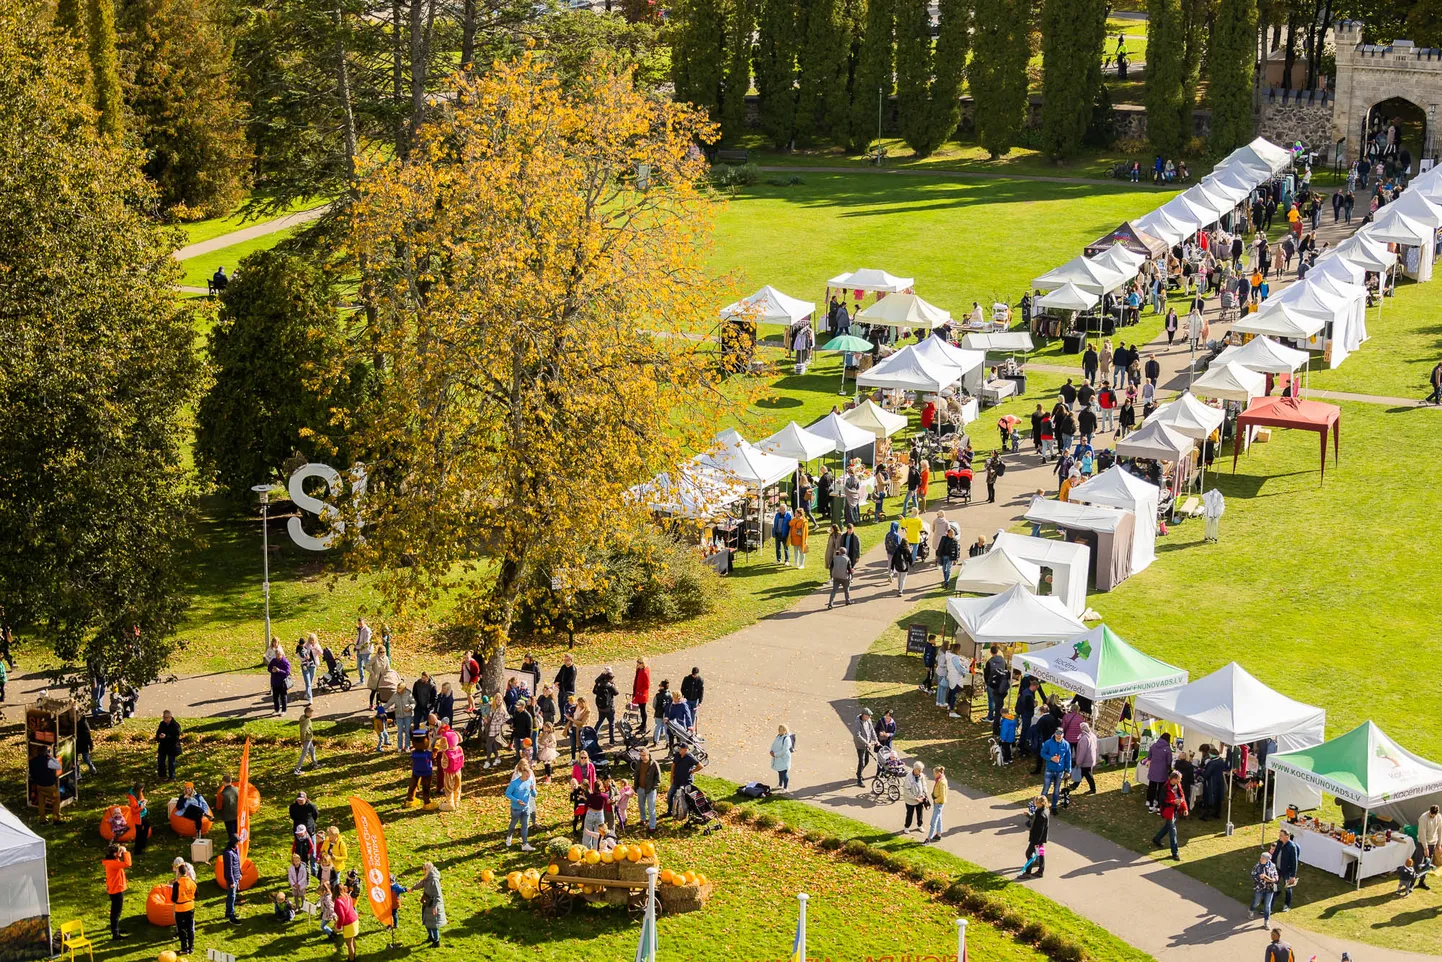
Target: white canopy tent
(1417, 206)
(1367, 251)
(1238, 178)
(1394, 227)
(735, 457)
(1166, 225)
(1229, 188)
(769, 305)
(1260, 155)
(1230, 382)
(1118, 488)
(1189, 416)
(1067, 560)
(906, 370)
(1264, 355)
(1157, 441)
(1068, 297)
(794, 441)
(875, 420)
(1188, 210)
(1001, 343)
(871, 279)
(971, 364)
(1119, 258)
(1099, 665)
(843, 435)
(1214, 200)
(24, 890)
(995, 572)
(904, 310)
(1113, 529)
(1014, 616)
(1428, 184)
(1232, 707)
(1279, 319)
(1085, 274)
(1344, 313)
(691, 491)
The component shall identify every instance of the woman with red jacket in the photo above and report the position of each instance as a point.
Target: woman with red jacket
(346, 919)
(641, 689)
(1172, 803)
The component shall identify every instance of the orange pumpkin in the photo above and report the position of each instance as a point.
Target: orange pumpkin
(252, 798)
(159, 910)
(167, 955)
(249, 875)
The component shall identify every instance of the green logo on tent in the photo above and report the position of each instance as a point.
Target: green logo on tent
(1081, 651)
(1381, 753)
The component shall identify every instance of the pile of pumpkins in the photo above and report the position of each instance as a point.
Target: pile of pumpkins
(621, 853)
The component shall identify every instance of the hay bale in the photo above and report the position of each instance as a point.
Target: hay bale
(616, 896)
(685, 898)
(629, 871)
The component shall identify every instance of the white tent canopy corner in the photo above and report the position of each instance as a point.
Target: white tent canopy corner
(1014, 615)
(995, 572)
(1068, 561)
(907, 370)
(1084, 273)
(734, 457)
(876, 420)
(843, 435)
(1189, 416)
(999, 343)
(1230, 382)
(794, 441)
(871, 279)
(1099, 665)
(769, 305)
(904, 310)
(1118, 488)
(24, 889)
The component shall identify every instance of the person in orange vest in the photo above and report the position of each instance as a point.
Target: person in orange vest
(182, 894)
(116, 861)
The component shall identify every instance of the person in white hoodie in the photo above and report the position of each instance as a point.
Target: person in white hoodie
(916, 793)
(1429, 836)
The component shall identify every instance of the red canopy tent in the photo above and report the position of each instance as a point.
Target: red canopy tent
(1290, 412)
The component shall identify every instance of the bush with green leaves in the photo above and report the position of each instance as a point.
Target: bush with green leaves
(558, 846)
(735, 175)
(766, 820)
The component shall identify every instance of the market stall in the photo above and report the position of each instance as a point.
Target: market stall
(903, 310)
(1067, 301)
(1067, 561)
(1119, 258)
(1231, 381)
(733, 457)
(24, 891)
(1155, 441)
(1129, 235)
(1295, 413)
(1166, 227)
(1086, 274)
(874, 419)
(1264, 356)
(1342, 317)
(770, 306)
(1392, 226)
(970, 363)
(1118, 488)
(1189, 416)
(1365, 769)
(907, 370)
(842, 434)
(1099, 666)
(1106, 531)
(995, 572)
(794, 441)
(711, 506)
(869, 280)
(1261, 156)
(1014, 616)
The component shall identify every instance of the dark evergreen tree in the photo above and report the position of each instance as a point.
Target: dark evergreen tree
(698, 53)
(1231, 60)
(777, 40)
(740, 28)
(998, 71)
(1165, 51)
(929, 76)
(105, 88)
(823, 68)
(872, 83)
(1073, 35)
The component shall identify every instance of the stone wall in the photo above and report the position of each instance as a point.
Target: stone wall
(1286, 116)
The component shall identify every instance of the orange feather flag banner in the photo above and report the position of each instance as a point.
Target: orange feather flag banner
(242, 818)
(375, 863)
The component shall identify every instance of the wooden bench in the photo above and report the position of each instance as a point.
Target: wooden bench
(733, 156)
(557, 898)
(1191, 508)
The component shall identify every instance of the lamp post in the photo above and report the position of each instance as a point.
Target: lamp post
(263, 490)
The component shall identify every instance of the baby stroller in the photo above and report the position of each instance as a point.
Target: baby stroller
(695, 808)
(680, 736)
(890, 770)
(336, 678)
(591, 745)
(633, 736)
(958, 484)
(923, 547)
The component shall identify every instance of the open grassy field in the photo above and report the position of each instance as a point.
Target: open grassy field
(199, 269)
(212, 227)
(753, 909)
(1404, 344)
(1312, 588)
(957, 155)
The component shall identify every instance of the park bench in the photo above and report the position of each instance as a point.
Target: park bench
(733, 156)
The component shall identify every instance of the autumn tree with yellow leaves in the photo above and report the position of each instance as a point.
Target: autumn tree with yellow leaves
(533, 270)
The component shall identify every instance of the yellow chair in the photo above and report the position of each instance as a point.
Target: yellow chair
(72, 939)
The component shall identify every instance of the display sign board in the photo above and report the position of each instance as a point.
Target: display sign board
(915, 639)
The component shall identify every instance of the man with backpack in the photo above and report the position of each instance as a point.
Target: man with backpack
(995, 468)
(841, 569)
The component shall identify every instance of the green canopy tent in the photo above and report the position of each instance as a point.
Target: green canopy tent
(1364, 767)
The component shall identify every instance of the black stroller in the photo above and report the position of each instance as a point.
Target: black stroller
(633, 734)
(696, 810)
(923, 547)
(336, 678)
(591, 745)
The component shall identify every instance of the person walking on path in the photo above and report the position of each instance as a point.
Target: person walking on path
(116, 862)
(1058, 765)
(1279, 951)
(470, 677)
(1086, 756)
(901, 564)
(565, 680)
(1172, 804)
(1288, 861)
(167, 746)
(403, 704)
(307, 741)
(1159, 767)
(693, 689)
(1264, 887)
(948, 552)
(1436, 396)
(604, 692)
(279, 669)
(938, 802)
(841, 569)
(647, 780)
(865, 737)
(433, 903)
(363, 647)
(1036, 840)
(781, 748)
(375, 676)
(521, 791)
(641, 689)
(660, 705)
(310, 655)
(917, 795)
(995, 468)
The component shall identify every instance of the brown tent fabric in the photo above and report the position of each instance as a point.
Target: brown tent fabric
(1132, 238)
(1110, 562)
(1290, 412)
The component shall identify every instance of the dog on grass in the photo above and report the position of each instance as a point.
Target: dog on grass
(994, 748)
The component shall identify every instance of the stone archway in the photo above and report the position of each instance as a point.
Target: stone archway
(1381, 77)
(1398, 127)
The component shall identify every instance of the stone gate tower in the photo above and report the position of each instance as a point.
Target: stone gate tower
(1369, 74)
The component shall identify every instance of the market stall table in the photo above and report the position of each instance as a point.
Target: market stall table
(993, 392)
(1333, 855)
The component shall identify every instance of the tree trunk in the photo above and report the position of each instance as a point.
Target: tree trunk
(343, 92)
(1314, 57)
(468, 34)
(1290, 59)
(418, 71)
(398, 87)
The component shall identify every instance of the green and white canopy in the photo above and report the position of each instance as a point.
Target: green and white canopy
(1364, 767)
(1100, 665)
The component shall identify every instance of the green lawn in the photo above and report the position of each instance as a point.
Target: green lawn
(199, 269)
(211, 227)
(750, 907)
(1311, 589)
(964, 156)
(1404, 345)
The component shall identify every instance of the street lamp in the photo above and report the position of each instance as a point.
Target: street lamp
(263, 490)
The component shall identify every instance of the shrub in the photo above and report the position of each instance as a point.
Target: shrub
(992, 911)
(958, 893)
(935, 884)
(557, 846)
(830, 843)
(744, 814)
(1012, 920)
(766, 820)
(976, 901)
(878, 856)
(1033, 932)
(894, 864)
(856, 848)
(813, 836)
(727, 175)
(915, 872)
(1052, 944)
(724, 808)
(788, 181)
(1069, 952)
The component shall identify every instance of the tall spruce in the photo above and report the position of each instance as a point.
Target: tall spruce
(929, 76)
(823, 69)
(1195, 15)
(107, 94)
(1231, 61)
(777, 38)
(998, 72)
(1073, 35)
(871, 86)
(1165, 51)
(698, 52)
(740, 28)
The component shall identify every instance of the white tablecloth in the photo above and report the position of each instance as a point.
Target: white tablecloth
(1326, 853)
(969, 410)
(994, 391)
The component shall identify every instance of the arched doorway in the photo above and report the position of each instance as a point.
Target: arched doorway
(1394, 132)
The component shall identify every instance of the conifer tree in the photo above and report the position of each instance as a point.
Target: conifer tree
(1166, 41)
(106, 91)
(823, 68)
(998, 71)
(1230, 63)
(1073, 35)
(928, 77)
(777, 40)
(872, 83)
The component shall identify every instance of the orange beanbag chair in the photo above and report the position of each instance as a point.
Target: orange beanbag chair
(183, 825)
(252, 799)
(159, 910)
(248, 874)
(109, 836)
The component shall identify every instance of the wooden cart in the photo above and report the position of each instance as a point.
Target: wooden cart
(557, 898)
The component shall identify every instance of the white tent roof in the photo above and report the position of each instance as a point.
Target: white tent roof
(1367, 251)
(734, 457)
(1006, 341)
(1280, 319)
(877, 421)
(942, 351)
(1069, 563)
(871, 279)
(1232, 707)
(1394, 227)
(17, 842)
(1098, 664)
(908, 370)
(1338, 266)
(1239, 178)
(1118, 488)
(1228, 186)
(1068, 297)
(1162, 223)
(1072, 514)
(996, 571)
(1429, 185)
(1230, 382)
(769, 305)
(1119, 258)
(1264, 355)
(843, 435)
(1261, 154)
(1189, 416)
(1215, 201)
(1084, 273)
(1015, 615)
(1417, 207)
(1188, 210)
(1155, 440)
(691, 491)
(794, 441)
(904, 310)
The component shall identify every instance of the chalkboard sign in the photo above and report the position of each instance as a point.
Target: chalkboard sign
(915, 639)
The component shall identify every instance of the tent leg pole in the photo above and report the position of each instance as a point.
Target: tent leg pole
(1266, 784)
(1366, 814)
(1230, 786)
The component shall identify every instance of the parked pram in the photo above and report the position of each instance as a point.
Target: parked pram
(633, 735)
(591, 745)
(923, 547)
(890, 770)
(695, 808)
(958, 484)
(680, 736)
(336, 678)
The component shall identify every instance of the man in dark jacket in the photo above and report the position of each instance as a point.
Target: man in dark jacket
(230, 869)
(647, 780)
(1025, 709)
(424, 692)
(1152, 370)
(565, 680)
(852, 544)
(1090, 362)
(228, 810)
(1288, 857)
(1036, 840)
(997, 675)
(1044, 728)
(605, 691)
(303, 812)
(167, 746)
(693, 689)
(1068, 392)
(1213, 786)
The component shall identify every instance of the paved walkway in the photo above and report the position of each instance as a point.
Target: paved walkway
(248, 233)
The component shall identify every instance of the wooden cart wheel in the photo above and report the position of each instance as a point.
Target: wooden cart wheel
(636, 904)
(563, 901)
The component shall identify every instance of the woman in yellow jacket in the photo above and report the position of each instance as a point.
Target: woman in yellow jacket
(334, 848)
(799, 533)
